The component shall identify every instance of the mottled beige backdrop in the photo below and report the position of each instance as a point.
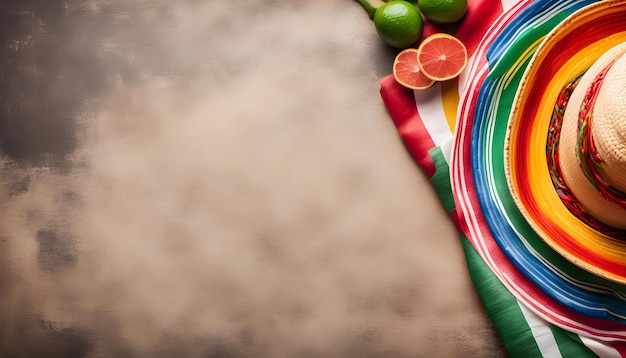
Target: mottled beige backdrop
(216, 178)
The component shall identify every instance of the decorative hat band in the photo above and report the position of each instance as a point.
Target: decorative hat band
(589, 159)
(552, 152)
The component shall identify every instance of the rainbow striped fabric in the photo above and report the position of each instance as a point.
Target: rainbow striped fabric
(540, 303)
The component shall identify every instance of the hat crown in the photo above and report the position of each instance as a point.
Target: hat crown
(609, 125)
(592, 146)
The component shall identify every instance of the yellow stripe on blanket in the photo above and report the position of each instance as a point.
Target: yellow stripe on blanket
(450, 101)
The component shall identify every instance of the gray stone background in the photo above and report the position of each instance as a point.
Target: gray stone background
(216, 178)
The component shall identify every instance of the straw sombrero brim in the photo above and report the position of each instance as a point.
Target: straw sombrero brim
(495, 225)
(568, 51)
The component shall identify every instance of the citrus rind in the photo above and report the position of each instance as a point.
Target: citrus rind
(425, 67)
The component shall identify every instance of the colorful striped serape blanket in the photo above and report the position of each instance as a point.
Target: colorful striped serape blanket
(540, 304)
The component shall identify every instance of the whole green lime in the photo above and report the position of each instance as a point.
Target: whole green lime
(443, 11)
(398, 23)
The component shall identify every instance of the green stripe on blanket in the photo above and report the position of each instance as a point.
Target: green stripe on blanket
(501, 306)
(508, 318)
(441, 179)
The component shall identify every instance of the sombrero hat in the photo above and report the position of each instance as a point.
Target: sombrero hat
(521, 235)
(572, 204)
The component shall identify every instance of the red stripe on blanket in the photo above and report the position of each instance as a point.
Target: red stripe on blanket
(400, 103)
(620, 347)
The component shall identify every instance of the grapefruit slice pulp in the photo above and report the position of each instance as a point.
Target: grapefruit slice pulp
(407, 71)
(441, 57)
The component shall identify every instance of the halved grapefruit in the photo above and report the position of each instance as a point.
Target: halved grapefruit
(441, 57)
(407, 72)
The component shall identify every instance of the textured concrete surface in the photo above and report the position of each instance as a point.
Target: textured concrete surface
(216, 178)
